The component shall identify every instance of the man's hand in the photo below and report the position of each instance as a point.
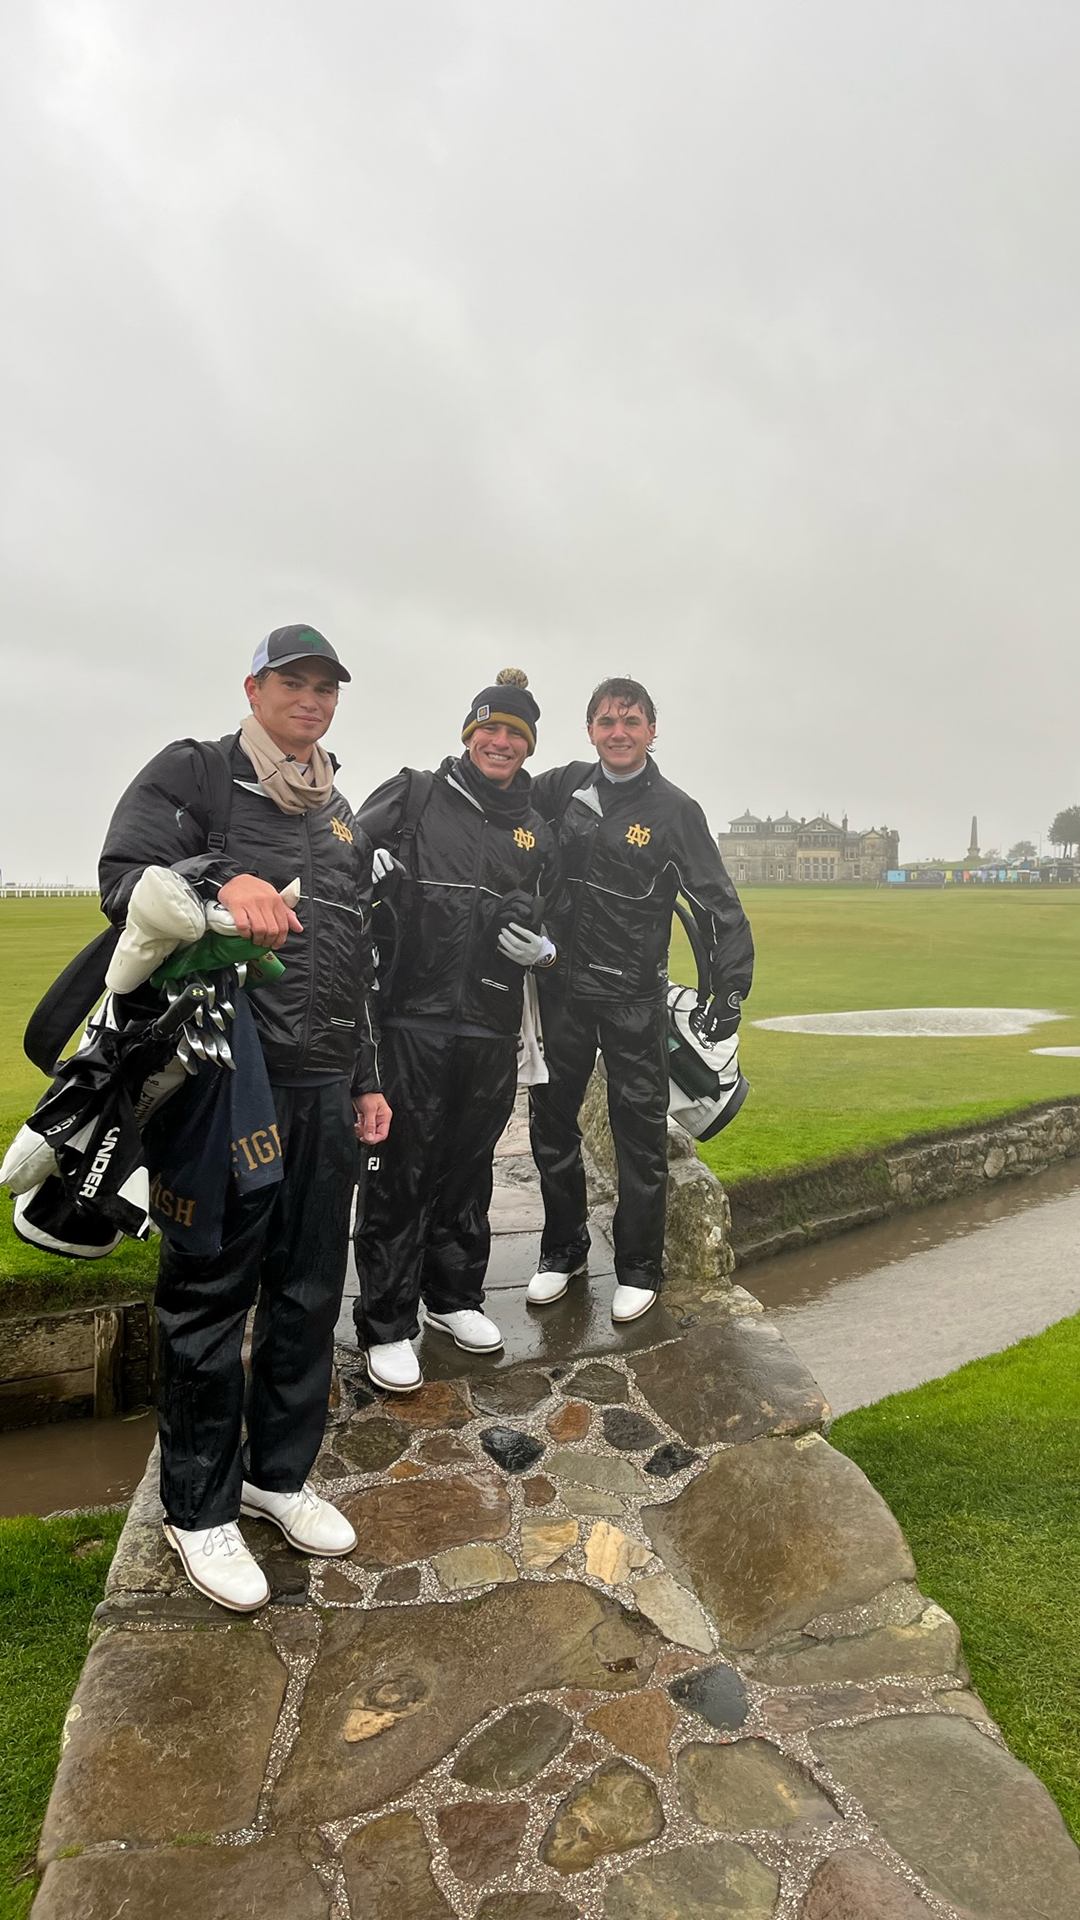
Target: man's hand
(259, 911)
(373, 1118)
(717, 1021)
(529, 949)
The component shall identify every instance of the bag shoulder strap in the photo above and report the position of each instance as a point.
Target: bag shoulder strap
(217, 769)
(417, 796)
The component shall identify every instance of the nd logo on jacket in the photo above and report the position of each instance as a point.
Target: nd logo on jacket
(639, 836)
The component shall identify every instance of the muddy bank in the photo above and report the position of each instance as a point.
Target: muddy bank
(785, 1211)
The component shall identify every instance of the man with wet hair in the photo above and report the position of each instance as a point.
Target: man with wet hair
(628, 844)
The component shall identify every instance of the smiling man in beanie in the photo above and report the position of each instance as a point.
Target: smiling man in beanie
(470, 859)
(283, 1248)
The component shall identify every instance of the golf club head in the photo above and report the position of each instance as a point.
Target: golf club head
(183, 1054)
(195, 1042)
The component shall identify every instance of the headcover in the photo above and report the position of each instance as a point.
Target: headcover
(508, 703)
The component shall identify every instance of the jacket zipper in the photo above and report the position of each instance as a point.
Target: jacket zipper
(477, 865)
(309, 931)
(573, 968)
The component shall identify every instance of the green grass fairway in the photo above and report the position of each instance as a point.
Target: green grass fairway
(980, 1469)
(815, 1098)
(52, 1575)
(37, 939)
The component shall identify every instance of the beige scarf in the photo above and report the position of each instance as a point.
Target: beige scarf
(295, 785)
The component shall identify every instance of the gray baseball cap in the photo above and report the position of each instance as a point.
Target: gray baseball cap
(287, 644)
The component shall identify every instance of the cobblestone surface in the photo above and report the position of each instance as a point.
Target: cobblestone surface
(589, 1691)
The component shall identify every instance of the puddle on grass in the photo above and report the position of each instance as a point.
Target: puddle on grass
(73, 1463)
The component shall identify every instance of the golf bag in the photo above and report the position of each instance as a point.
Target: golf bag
(706, 1087)
(76, 1166)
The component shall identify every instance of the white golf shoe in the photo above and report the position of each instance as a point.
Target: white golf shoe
(218, 1563)
(629, 1303)
(308, 1523)
(394, 1366)
(549, 1284)
(470, 1329)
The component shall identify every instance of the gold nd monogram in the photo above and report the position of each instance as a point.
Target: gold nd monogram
(639, 836)
(342, 831)
(523, 838)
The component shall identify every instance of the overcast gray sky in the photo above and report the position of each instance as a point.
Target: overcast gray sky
(730, 345)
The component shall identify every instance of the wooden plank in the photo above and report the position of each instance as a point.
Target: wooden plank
(136, 1370)
(46, 1343)
(108, 1351)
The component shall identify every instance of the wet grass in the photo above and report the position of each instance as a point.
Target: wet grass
(981, 1470)
(813, 1099)
(820, 1097)
(37, 939)
(52, 1576)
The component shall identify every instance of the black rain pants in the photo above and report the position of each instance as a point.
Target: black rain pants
(424, 1232)
(286, 1248)
(632, 1037)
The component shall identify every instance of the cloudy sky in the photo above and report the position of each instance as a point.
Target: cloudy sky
(729, 343)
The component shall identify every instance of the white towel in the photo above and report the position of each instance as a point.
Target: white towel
(531, 1065)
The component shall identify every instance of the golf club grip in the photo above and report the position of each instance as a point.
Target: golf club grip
(182, 1009)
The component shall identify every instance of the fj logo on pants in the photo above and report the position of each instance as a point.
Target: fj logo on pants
(342, 831)
(523, 838)
(639, 836)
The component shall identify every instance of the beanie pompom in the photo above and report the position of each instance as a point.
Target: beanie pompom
(511, 677)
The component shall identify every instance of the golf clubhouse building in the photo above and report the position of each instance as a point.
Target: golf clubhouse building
(785, 850)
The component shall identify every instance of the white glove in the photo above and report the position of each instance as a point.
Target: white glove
(527, 948)
(163, 913)
(382, 864)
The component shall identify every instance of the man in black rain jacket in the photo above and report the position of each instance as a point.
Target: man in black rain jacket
(285, 1246)
(628, 843)
(475, 855)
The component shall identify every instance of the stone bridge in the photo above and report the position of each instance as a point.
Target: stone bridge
(623, 1637)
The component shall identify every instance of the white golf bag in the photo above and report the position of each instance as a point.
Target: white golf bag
(706, 1087)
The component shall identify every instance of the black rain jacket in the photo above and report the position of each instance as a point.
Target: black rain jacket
(319, 1018)
(625, 851)
(460, 864)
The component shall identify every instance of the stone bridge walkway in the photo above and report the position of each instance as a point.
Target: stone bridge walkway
(623, 1637)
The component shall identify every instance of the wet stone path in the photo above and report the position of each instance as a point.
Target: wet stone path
(623, 1636)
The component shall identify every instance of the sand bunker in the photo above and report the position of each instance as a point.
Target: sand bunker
(919, 1023)
(1059, 1053)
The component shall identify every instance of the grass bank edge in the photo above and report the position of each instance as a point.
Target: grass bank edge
(52, 1576)
(980, 1469)
(863, 1173)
